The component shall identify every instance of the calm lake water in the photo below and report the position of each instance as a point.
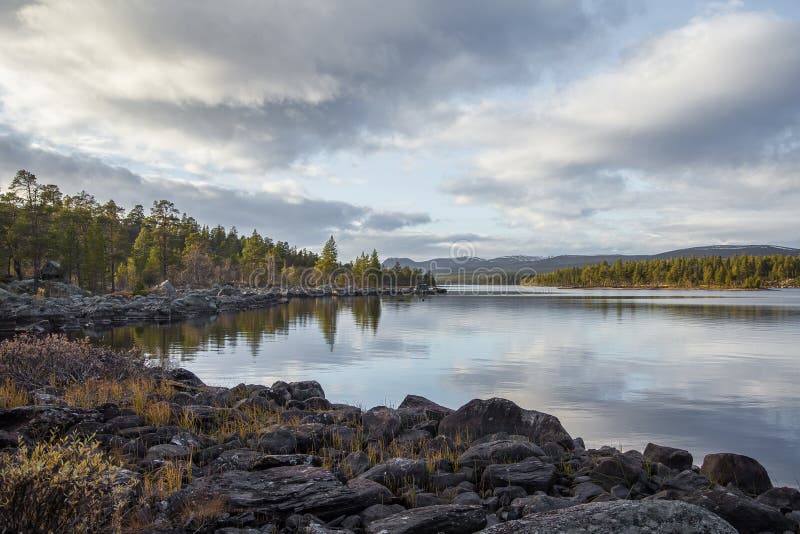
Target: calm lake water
(701, 370)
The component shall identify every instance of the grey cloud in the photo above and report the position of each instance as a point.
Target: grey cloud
(394, 220)
(300, 220)
(277, 81)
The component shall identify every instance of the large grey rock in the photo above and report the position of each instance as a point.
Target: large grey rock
(445, 519)
(677, 459)
(415, 409)
(250, 460)
(747, 515)
(531, 473)
(480, 417)
(289, 490)
(742, 471)
(305, 390)
(620, 517)
(497, 452)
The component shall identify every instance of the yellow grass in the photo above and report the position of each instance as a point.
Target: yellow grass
(12, 396)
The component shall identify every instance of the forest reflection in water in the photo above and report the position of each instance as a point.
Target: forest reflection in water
(251, 328)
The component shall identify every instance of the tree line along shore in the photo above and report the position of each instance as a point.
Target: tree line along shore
(93, 440)
(45, 234)
(711, 272)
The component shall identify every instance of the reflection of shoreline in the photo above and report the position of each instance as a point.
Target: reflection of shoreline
(194, 335)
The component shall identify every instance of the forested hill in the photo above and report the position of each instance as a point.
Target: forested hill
(103, 247)
(735, 272)
(513, 264)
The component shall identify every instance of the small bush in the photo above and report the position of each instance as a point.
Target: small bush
(12, 396)
(34, 362)
(62, 485)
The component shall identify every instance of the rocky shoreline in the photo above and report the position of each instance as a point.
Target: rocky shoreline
(75, 308)
(282, 458)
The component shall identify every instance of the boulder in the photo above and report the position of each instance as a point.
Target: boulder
(625, 469)
(742, 471)
(445, 519)
(480, 417)
(687, 482)
(165, 289)
(784, 499)
(415, 409)
(305, 390)
(379, 511)
(747, 515)
(677, 459)
(536, 504)
(497, 452)
(381, 423)
(662, 517)
(288, 490)
(398, 472)
(278, 440)
(531, 473)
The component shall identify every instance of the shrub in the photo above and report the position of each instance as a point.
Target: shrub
(62, 485)
(34, 362)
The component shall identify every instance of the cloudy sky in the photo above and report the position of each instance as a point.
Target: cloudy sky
(529, 127)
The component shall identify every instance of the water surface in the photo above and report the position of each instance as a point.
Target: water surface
(702, 370)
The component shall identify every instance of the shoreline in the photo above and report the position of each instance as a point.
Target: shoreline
(488, 466)
(76, 309)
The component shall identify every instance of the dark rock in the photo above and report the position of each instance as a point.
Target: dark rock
(166, 452)
(480, 417)
(355, 464)
(623, 469)
(677, 459)
(445, 519)
(379, 511)
(433, 410)
(747, 515)
(687, 482)
(468, 497)
(250, 460)
(397, 472)
(541, 503)
(662, 517)
(507, 494)
(586, 492)
(289, 490)
(420, 499)
(317, 403)
(784, 499)
(742, 471)
(441, 481)
(497, 452)
(532, 474)
(302, 391)
(278, 440)
(381, 423)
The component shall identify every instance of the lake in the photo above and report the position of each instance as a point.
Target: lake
(708, 371)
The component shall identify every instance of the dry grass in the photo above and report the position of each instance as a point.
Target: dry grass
(93, 392)
(167, 480)
(158, 413)
(12, 396)
(62, 485)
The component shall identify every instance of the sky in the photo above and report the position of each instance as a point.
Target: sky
(420, 128)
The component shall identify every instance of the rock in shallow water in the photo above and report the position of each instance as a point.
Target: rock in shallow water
(742, 471)
(615, 517)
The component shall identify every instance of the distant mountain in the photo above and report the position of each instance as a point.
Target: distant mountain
(513, 264)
